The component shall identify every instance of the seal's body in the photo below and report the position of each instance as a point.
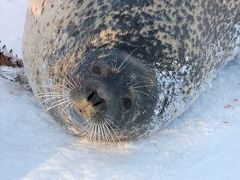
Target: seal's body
(114, 70)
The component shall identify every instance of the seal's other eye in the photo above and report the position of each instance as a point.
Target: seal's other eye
(96, 70)
(127, 103)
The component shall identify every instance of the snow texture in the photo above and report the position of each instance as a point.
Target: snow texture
(201, 144)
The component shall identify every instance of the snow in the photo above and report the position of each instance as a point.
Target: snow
(201, 144)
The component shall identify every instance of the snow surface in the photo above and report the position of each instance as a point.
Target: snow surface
(204, 143)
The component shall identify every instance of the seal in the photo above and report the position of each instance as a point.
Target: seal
(117, 70)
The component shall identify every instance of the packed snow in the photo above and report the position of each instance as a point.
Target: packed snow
(204, 143)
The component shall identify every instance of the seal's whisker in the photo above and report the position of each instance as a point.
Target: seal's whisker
(105, 132)
(139, 84)
(88, 130)
(49, 99)
(89, 135)
(56, 84)
(109, 132)
(111, 136)
(91, 132)
(120, 67)
(108, 123)
(97, 137)
(83, 131)
(138, 91)
(50, 96)
(57, 99)
(95, 131)
(67, 106)
(69, 82)
(46, 94)
(68, 87)
(101, 132)
(123, 68)
(57, 92)
(62, 88)
(142, 86)
(61, 85)
(83, 127)
(98, 133)
(75, 83)
(115, 132)
(112, 123)
(58, 103)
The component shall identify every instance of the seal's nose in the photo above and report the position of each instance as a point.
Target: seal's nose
(94, 98)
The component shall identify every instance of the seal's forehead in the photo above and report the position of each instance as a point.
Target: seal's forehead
(36, 6)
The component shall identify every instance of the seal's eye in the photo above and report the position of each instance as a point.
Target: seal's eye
(96, 70)
(127, 103)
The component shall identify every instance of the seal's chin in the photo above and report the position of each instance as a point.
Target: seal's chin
(96, 124)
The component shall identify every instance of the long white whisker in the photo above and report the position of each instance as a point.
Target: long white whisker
(126, 59)
(98, 133)
(62, 87)
(111, 135)
(101, 132)
(48, 94)
(137, 91)
(90, 131)
(67, 105)
(51, 96)
(95, 131)
(142, 86)
(104, 132)
(69, 82)
(49, 99)
(108, 122)
(107, 132)
(58, 103)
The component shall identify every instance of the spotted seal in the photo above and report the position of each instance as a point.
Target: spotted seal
(117, 70)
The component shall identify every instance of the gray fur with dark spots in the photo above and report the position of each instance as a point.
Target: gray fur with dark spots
(186, 42)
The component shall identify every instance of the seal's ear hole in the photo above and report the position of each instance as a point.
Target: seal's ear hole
(127, 103)
(96, 70)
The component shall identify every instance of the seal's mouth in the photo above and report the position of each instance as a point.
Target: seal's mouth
(85, 108)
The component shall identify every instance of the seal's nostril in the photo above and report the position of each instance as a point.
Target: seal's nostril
(101, 101)
(90, 96)
(127, 103)
(95, 99)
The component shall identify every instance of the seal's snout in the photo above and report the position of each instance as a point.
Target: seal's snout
(95, 99)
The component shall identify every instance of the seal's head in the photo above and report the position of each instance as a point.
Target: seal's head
(112, 96)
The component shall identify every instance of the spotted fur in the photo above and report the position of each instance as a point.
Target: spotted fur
(185, 42)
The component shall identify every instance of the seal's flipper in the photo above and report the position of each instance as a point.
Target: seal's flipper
(11, 67)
